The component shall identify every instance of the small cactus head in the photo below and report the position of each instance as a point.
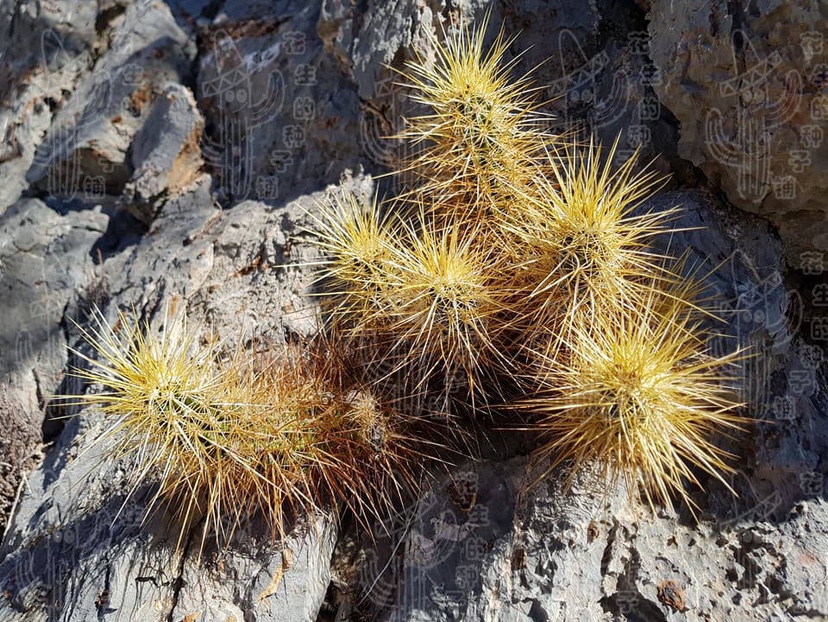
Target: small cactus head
(443, 312)
(358, 242)
(163, 402)
(584, 250)
(639, 394)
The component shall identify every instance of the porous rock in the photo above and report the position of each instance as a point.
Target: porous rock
(46, 266)
(166, 152)
(748, 86)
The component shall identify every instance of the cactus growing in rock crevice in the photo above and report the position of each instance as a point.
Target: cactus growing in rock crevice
(517, 256)
(539, 251)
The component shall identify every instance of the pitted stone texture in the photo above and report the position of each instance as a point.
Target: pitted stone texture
(46, 266)
(748, 86)
(84, 151)
(166, 154)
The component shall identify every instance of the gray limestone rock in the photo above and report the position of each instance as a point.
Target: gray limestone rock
(747, 85)
(88, 553)
(84, 151)
(47, 50)
(285, 585)
(166, 151)
(281, 115)
(85, 76)
(46, 266)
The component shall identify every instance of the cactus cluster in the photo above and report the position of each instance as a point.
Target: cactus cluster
(514, 276)
(523, 254)
(276, 433)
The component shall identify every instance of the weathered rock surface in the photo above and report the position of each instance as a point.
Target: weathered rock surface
(46, 266)
(159, 151)
(83, 553)
(166, 152)
(39, 69)
(281, 116)
(483, 546)
(748, 85)
(84, 150)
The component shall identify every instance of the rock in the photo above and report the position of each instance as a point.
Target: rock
(84, 152)
(522, 553)
(748, 88)
(38, 68)
(282, 118)
(286, 585)
(480, 547)
(166, 155)
(72, 556)
(46, 266)
(365, 43)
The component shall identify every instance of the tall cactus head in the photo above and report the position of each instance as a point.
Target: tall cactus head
(584, 249)
(482, 130)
